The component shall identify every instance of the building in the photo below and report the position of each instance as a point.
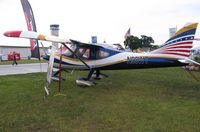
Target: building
(24, 51)
(172, 31)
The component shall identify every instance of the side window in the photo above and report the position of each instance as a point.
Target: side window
(86, 54)
(102, 54)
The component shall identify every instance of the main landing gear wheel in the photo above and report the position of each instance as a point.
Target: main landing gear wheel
(84, 82)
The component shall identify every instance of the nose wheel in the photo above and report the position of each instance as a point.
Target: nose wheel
(84, 82)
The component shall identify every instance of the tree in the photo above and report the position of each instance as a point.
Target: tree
(133, 42)
(153, 47)
(146, 41)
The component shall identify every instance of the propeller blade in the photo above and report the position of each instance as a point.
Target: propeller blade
(35, 35)
(50, 68)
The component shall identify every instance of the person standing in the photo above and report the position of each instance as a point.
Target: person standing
(14, 59)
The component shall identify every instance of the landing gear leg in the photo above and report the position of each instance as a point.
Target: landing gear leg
(98, 75)
(90, 74)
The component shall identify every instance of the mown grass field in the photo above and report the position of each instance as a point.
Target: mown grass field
(152, 100)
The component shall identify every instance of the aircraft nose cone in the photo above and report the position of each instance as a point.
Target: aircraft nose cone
(12, 33)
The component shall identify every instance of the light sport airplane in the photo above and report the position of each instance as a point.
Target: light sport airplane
(95, 57)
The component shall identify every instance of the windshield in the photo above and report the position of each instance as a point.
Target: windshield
(69, 53)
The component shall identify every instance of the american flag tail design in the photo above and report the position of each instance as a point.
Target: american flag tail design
(179, 45)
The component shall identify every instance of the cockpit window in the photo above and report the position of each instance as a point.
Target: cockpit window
(83, 53)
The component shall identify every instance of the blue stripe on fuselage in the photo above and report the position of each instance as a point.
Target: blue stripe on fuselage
(145, 63)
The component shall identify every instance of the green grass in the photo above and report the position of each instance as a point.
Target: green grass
(22, 61)
(152, 100)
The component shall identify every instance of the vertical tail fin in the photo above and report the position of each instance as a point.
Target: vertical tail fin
(181, 43)
(30, 21)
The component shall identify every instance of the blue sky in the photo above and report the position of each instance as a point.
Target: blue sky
(107, 19)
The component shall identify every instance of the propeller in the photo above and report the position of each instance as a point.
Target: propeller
(55, 39)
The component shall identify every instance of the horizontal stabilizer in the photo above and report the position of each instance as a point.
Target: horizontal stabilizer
(189, 61)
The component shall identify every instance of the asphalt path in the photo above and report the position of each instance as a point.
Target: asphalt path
(22, 68)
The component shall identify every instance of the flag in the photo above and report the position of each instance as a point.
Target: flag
(128, 33)
(30, 21)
